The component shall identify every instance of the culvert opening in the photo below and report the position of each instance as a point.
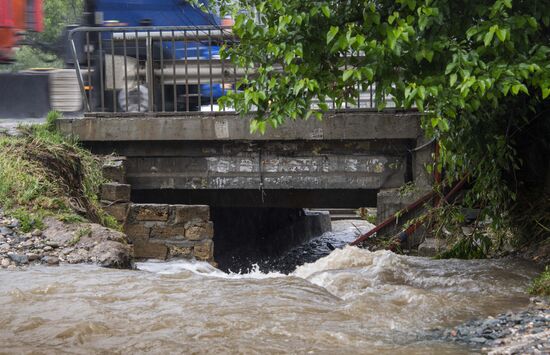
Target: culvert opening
(269, 238)
(244, 237)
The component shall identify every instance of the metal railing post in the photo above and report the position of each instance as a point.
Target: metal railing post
(89, 65)
(138, 79)
(102, 87)
(174, 86)
(125, 70)
(149, 70)
(210, 71)
(222, 68)
(113, 72)
(185, 44)
(79, 73)
(162, 100)
(198, 72)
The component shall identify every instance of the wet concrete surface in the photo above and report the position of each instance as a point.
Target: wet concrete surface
(9, 125)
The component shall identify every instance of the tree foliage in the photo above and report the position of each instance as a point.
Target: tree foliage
(479, 70)
(57, 15)
(45, 49)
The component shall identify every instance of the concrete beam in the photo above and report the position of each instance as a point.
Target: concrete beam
(276, 165)
(301, 198)
(341, 125)
(267, 171)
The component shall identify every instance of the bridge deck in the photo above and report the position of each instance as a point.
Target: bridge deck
(361, 124)
(205, 154)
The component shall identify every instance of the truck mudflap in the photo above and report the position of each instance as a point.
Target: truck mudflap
(24, 95)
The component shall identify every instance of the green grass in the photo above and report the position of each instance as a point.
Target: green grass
(541, 284)
(43, 173)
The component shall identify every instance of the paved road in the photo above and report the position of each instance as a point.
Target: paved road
(9, 125)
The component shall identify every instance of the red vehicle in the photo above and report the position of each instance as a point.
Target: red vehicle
(17, 17)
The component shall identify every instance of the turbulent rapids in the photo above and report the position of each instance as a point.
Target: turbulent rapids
(350, 301)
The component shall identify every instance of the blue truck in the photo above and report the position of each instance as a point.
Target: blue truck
(127, 67)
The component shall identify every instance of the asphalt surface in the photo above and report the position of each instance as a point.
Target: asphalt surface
(9, 125)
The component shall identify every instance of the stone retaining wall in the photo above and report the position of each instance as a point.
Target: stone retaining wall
(161, 231)
(157, 231)
(115, 195)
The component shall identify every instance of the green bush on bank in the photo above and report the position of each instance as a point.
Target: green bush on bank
(541, 284)
(43, 173)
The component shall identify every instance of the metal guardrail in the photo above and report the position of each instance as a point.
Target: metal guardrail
(159, 69)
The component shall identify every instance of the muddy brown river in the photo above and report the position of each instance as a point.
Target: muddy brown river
(351, 301)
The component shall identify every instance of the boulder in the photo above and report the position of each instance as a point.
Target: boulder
(90, 242)
(112, 254)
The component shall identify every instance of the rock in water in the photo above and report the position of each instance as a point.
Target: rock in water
(18, 258)
(32, 256)
(51, 260)
(112, 254)
(78, 256)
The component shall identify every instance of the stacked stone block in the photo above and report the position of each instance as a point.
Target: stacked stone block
(156, 230)
(115, 195)
(167, 231)
(114, 169)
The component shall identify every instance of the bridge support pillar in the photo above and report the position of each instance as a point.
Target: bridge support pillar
(422, 156)
(390, 201)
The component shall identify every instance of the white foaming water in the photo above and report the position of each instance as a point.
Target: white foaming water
(201, 268)
(351, 272)
(349, 257)
(343, 232)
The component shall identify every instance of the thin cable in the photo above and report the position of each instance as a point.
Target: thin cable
(422, 146)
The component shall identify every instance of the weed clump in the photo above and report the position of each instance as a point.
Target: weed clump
(541, 284)
(43, 173)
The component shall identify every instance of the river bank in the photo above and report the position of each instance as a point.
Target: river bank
(60, 242)
(50, 210)
(522, 332)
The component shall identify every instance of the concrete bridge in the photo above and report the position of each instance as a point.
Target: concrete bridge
(180, 149)
(255, 185)
(212, 158)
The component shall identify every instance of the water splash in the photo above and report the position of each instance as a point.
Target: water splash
(201, 268)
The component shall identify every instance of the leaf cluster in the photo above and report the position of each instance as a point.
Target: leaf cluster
(478, 70)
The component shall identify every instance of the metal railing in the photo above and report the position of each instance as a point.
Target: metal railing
(159, 69)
